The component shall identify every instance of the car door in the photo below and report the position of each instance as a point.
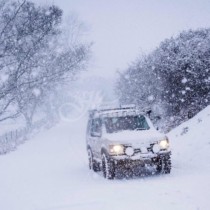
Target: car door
(95, 136)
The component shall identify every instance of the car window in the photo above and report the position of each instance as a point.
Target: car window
(115, 124)
(96, 127)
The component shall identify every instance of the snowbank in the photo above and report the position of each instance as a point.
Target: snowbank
(191, 143)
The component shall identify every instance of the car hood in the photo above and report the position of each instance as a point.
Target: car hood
(135, 138)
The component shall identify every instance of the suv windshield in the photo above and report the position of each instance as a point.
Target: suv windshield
(115, 124)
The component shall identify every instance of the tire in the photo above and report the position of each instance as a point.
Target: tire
(108, 167)
(93, 165)
(164, 165)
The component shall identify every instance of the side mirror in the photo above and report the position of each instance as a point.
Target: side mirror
(149, 113)
(95, 134)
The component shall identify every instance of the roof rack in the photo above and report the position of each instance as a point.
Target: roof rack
(120, 107)
(121, 110)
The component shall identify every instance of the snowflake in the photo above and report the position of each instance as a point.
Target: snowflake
(36, 92)
(150, 98)
(4, 77)
(184, 80)
(183, 92)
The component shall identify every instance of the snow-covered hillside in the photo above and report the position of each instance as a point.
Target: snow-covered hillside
(50, 172)
(191, 144)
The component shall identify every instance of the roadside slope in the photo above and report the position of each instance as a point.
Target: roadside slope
(191, 143)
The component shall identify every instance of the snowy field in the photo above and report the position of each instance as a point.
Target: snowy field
(50, 172)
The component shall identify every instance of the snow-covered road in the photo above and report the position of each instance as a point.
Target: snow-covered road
(50, 172)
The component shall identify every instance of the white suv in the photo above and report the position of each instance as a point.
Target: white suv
(124, 138)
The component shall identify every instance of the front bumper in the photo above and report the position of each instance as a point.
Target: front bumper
(140, 159)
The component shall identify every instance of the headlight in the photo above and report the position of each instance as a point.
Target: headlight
(116, 149)
(164, 144)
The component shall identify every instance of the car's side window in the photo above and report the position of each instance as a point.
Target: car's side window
(89, 127)
(92, 128)
(96, 127)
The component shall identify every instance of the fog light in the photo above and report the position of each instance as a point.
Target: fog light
(129, 151)
(156, 148)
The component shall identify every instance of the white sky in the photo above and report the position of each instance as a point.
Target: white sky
(123, 29)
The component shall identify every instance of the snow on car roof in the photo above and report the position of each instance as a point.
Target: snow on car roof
(117, 112)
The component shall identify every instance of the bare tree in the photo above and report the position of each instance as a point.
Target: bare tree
(32, 59)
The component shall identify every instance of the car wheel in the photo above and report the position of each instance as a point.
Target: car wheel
(164, 165)
(108, 168)
(93, 165)
(167, 166)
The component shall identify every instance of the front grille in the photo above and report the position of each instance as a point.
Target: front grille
(149, 149)
(138, 150)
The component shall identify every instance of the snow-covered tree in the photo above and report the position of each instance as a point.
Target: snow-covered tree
(173, 80)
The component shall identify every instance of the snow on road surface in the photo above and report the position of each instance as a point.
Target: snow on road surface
(50, 172)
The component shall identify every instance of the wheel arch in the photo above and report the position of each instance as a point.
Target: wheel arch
(104, 151)
(88, 147)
